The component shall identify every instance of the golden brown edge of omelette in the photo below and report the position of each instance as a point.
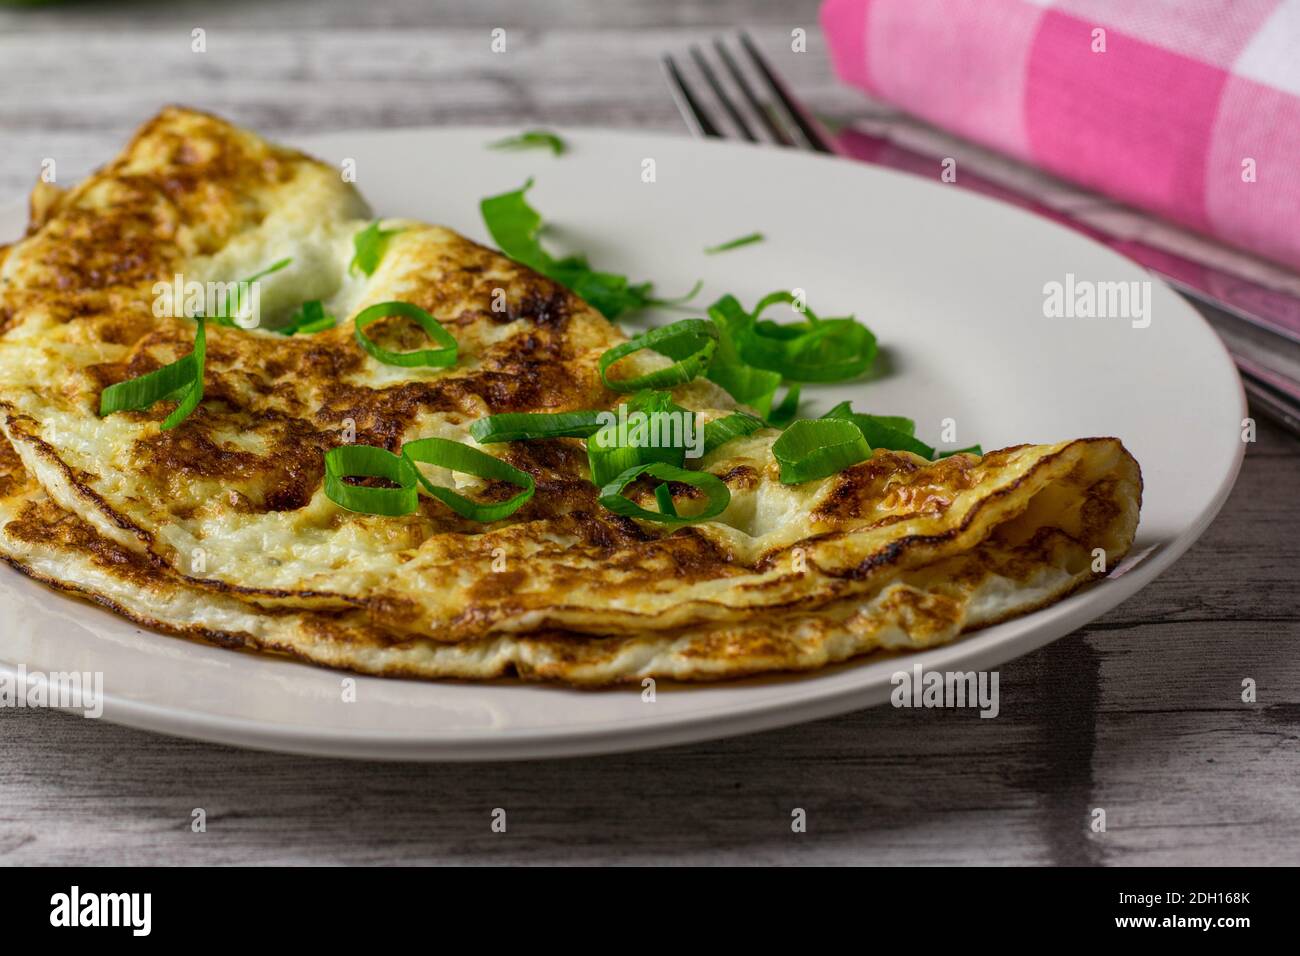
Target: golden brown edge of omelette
(44, 542)
(897, 556)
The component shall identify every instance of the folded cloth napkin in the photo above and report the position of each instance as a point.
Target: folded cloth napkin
(1188, 108)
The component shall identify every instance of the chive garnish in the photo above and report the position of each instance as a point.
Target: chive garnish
(611, 494)
(690, 341)
(235, 305)
(516, 226)
(533, 139)
(750, 239)
(755, 387)
(890, 432)
(815, 448)
(814, 350)
(310, 317)
(369, 245)
(469, 461)
(523, 426)
(630, 441)
(437, 358)
(181, 379)
(367, 461)
(722, 430)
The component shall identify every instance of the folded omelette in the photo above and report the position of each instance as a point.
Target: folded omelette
(221, 528)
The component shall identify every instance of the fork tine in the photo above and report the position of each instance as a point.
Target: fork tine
(776, 132)
(809, 129)
(695, 115)
(712, 79)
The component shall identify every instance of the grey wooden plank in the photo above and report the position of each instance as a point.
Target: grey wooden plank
(293, 15)
(282, 83)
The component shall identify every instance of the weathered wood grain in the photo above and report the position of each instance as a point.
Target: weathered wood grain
(1140, 715)
(289, 81)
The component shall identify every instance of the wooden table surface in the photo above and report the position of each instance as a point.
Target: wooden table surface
(1139, 714)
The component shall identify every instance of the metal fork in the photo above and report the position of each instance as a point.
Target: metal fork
(777, 117)
(783, 120)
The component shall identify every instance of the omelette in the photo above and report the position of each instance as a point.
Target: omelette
(216, 507)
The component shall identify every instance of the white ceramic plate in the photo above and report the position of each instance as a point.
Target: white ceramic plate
(951, 283)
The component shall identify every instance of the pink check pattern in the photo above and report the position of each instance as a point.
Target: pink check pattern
(1187, 108)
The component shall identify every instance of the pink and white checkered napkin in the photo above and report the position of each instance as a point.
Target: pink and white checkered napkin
(1188, 108)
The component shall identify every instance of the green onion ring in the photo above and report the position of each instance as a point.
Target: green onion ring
(736, 425)
(883, 431)
(614, 448)
(611, 496)
(812, 449)
(436, 358)
(194, 394)
(747, 384)
(833, 350)
(468, 461)
(182, 378)
(815, 350)
(690, 341)
(664, 498)
(309, 318)
(772, 298)
(524, 426)
(357, 461)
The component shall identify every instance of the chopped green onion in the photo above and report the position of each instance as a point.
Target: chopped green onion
(515, 227)
(812, 449)
(437, 358)
(611, 494)
(897, 422)
(630, 441)
(735, 243)
(832, 351)
(815, 350)
(722, 430)
(181, 379)
(273, 267)
(681, 299)
(972, 450)
(523, 426)
(533, 139)
(664, 498)
(194, 394)
(755, 387)
(747, 384)
(367, 461)
(469, 461)
(310, 317)
(690, 341)
(235, 304)
(883, 431)
(369, 245)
